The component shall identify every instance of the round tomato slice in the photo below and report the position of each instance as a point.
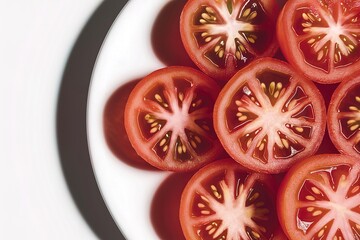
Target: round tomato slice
(223, 201)
(168, 119)
(222, 37)
(319, 198)
(267, 116)
(344, 117)
(321, 38)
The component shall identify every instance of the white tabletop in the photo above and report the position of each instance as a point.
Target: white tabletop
(36, 40)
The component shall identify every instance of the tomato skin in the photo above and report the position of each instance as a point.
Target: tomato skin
(291, 41)
(168, 119)
(232, 141)
(234, 176)
(197, 51)
(290, 199)
(343, 133)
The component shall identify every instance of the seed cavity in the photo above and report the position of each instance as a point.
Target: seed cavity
(315, 190)
(241, 50)
(254, 196)
(215, 191)
(355, 189)
(246, 13)
(201, 205)
(207, 16)
(261, 152)
(252, 38)
(219, 48)
(317, 212)
(321, 233)
(256, 234)
(205, 212)
(196, 103)
(155, 124)
(181, 96)
(181, 151)
(310, 198)
(274, 90)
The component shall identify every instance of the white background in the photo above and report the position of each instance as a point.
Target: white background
(36, 37)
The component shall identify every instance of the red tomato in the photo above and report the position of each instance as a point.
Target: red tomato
(321, 38)
(223, 201)
(222, 37)
(267, 116)
(344, 117)
(168, 119)
(319, 198)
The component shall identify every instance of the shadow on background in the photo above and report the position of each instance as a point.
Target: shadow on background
(165, 206)
(165, 36)
(71, 122)
(114, 128)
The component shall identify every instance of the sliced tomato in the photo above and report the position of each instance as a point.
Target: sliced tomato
(321, 38)
(223, 201)
(168, 119)
(267, 116)
(319, 198)
(344, 117)
(222, 37)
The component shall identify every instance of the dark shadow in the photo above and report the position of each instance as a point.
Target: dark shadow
(114, 128)
(327, 90)
(281, 3)
(165, 207)
(71, 122)
(165, 36)
(326, 145)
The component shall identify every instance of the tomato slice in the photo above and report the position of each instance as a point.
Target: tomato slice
(168, 119)
(223, 201)
(321, 38)
(267, 116)
(319, 198)
(344, 117)
(222, 37)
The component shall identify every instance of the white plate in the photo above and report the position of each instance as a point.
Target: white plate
(134, 195)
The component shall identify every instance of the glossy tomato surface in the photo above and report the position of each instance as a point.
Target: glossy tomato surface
(321, 38)
(168, 119)
(344, 117)
(223, 201)
(222, 37)
(267, 116)
(319, 198)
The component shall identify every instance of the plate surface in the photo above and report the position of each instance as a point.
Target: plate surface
(127, 54)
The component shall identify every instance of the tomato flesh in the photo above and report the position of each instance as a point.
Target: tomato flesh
(168, 118)
(344, 117)
(319, 198)
(223, 201)
(321, 38)
(224, 36)
(267, 116)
